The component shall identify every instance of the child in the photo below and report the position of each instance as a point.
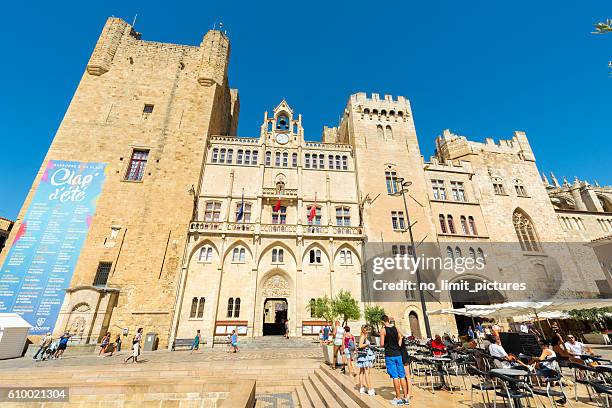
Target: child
(196, 342)
(234, 340)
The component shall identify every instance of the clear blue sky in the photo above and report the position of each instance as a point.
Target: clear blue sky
(480, 68)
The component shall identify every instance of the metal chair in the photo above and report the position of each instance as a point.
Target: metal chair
(512, 389)
(600, 389)
(584, 374)
(484, 385)
(550, 393)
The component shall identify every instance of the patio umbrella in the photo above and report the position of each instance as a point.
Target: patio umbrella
(511, 309)
(461, 312)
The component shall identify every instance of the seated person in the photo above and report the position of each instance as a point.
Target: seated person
(437, 346)
(577, 348)
(547, 369)
(561, 351)
(498, 351)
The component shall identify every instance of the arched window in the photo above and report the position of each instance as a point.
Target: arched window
(215, 155)
(315, 256)
(268, 158)
(464, 226)
(237, 308)
(451, 224)
(366, 111)
(277, 255)
(194, 308)
(201, 308)
(295, 128)
(606, 204)
(346, 257)
(270, 126)
(307, 160)
(330, 161)
(520, 188)
(205, 254)
(458, 253)
(230, 307)
(525, 232)
(472, 253)
(449, 253)
(253, 158)
(312, 307)
(239, 155)
(294, 159)
(238, 255)
(285, 159)
(400, 114)
(212, 211)
(344, 162)
(277, 159)
(338, 163)
(282, 122)
(498, 186)
(280, 216)
(222, 156)
(317, 218)
(481, 255)
(321, 161)
(230, 153)
(380, 132)
(472, 224)
(388, 133)
(443, 224)
(314, 161)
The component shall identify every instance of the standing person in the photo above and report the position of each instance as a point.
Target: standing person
(287, 328)
(135, 347)
(438, 347)
(62, 345)
(104, 344)
(523, 328)
(390, 339)
(406, 363)
(365, 361)
(326, 333)
(337, 336)
(349, 350)
(470, 333)
(42, 349)
(234, 340)
(479, 330)
(196, 341)
(118, 343)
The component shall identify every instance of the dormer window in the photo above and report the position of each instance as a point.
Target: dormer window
(282, 122)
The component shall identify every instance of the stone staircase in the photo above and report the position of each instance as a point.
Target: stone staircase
(329, 388)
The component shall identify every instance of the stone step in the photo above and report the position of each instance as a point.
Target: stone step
(313, 396)
(303, 397)
(351, 389)
(329, 400)
(343, 398)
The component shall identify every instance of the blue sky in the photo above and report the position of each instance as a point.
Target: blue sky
(480, 68)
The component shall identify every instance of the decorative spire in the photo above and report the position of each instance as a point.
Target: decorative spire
(554, 180)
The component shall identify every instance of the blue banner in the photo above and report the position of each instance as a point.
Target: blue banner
(41, 261)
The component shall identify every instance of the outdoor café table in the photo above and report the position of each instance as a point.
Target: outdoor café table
(439, 362)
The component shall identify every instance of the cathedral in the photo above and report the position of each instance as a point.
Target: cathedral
(198, 228)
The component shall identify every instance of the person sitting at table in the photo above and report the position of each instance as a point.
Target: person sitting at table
(437, 346)
(579, 350)
(547, 368)
(561, 351)
(503, 359)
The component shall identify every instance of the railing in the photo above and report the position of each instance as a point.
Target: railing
(278, 228)
(256, 228)
(286, 192)
(248, 140)
(328, 145)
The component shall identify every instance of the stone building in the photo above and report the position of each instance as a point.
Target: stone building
(197, 228)
(6, 226)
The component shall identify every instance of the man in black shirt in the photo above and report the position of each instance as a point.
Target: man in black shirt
(391, 340)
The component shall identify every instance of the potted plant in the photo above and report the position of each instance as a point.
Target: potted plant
(373, 316)
(322, 308)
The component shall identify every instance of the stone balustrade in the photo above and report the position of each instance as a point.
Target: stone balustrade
(273, 229)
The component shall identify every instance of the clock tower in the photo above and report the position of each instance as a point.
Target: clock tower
(283, 129)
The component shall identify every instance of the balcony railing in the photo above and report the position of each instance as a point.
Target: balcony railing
(257, 228)
(286, 192)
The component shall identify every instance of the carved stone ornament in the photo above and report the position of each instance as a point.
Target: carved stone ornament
(276, 286)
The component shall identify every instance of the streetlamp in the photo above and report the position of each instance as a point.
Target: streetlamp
(403, 189)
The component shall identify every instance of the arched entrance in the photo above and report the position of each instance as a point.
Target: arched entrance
(461, 298)
(415, 327)
(275, 314)
(274, 305)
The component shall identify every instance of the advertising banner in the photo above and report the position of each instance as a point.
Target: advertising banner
(41, 261)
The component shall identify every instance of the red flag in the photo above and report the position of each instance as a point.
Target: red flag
(313, 210)
(278, 205)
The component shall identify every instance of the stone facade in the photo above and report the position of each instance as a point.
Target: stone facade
(179, 256)
(5, 229)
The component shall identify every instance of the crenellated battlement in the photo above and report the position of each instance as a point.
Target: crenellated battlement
(376, 107)
(450, 145)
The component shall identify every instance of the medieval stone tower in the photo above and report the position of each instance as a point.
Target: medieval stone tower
(146, 109)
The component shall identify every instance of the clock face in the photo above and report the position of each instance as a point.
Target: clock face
(282, 138)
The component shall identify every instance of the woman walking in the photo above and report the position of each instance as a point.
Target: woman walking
(135, 347)
(365, 361)
(349, 351)
(104, 344)
(338, 336)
